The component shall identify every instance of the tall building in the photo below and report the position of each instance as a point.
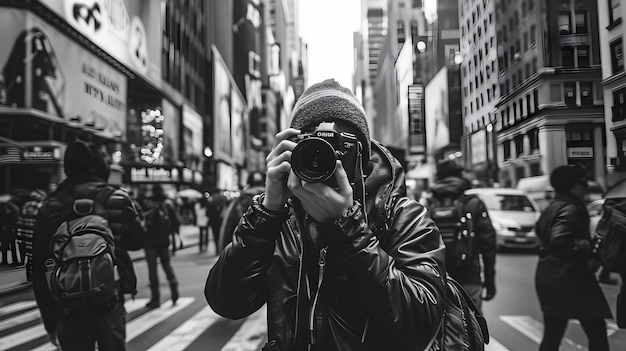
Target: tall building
(550, 110)
(479, 77)
(611, 13)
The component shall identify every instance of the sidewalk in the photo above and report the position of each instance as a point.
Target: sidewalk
(14, 279)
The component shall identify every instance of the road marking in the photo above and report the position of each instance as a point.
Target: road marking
(495, 345)
(20, 319)
(153, 317)
(533, 329)
(252, 333)
(184, 335)
(130, 306)
(18, 306)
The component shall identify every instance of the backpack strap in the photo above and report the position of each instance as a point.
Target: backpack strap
(99, 202)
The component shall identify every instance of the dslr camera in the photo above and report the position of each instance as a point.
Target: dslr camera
(313, 159)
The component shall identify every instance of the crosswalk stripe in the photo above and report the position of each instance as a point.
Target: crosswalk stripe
(533, 329)
(18, 306)
(251, 334)
(22, 337)
(130, 306)
(149, 319)
(19, 319)
(184, 335)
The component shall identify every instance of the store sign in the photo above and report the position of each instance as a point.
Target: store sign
(63, 79)
(41, 153)
(129, 30)
(580, 152)
(153, 175)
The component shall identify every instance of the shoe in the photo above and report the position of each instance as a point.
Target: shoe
(608, 281)
(153, 304)
(174, 290)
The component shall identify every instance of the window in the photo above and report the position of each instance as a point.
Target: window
(536, 99)
(619, 105)
(614, 11)
(583, 56)
(401, 36)
(586, 93)
(565, 23)
(519, 145)
(533, 33)
(515, 111)
(567, 55)
(581, 22)
(525, 41)
(528, 105)
(506, 149)
(570, 93)
(535, 61)
(533, 138)
(617, 56)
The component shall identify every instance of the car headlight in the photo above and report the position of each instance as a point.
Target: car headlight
(498, 226)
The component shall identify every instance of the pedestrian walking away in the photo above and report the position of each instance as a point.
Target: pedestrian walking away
(26, 225)
(83, 213)
(342, 258)
(202, 222)
(565, 278)
(467, 232)
(161, 221)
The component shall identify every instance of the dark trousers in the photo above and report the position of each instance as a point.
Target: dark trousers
(9, 245)
(163, 255)
(204, 238)
(554, 329)
(82, 332)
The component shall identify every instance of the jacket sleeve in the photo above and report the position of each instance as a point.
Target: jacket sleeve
(486, 239)
(398, 274)
(41, 252)
(236, 285)
(563, 238)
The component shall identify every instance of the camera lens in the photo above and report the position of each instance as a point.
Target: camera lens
(313, 160)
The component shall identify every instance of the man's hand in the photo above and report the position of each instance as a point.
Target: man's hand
(278, 169)
(490, 291)
(319, 200)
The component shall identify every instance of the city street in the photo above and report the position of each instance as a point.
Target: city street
(514, 317)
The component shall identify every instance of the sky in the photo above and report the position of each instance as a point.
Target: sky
(327, 26)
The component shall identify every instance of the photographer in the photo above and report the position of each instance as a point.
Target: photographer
(344, 262)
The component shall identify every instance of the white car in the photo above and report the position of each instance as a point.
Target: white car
(513, 215)
(595, 213)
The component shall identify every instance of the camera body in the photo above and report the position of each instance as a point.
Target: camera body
(313, 159)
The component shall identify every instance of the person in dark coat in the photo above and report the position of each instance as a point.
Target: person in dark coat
(565, 279)
(345, 267)
(161, 221)
(478, 277)
(87, 173)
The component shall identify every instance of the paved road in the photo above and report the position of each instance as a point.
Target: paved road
(514, 317)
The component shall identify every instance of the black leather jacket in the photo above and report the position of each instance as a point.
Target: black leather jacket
(123, 219)
(381, 282)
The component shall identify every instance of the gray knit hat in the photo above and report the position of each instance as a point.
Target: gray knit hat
(328, 101)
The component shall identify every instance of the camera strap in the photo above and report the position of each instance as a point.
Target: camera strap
(359, 182)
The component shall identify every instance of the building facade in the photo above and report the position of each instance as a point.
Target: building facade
(611, 13)
(550, 110)
(479, 77)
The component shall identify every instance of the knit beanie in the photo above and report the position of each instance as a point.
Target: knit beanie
(564, 178)
(82, 157)
(328, 101)
(449, 168)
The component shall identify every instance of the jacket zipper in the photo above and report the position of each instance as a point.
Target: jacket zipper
(322, 265)
(300, 265)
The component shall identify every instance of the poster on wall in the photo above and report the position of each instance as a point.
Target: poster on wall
(45, 70)
(171, 130)
(192, 140)
(129, 30)
(237, 128)
(221, 109)
(437, 115)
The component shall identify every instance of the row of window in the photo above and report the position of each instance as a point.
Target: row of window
(518, 78)
(518, 141)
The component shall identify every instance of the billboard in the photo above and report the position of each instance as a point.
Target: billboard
(221, 108)
(128, 30)
(44, 70)
(192, 136)
(437, 117)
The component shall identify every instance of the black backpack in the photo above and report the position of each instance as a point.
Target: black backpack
(463, 327)
(81, 273)
(456, 226)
